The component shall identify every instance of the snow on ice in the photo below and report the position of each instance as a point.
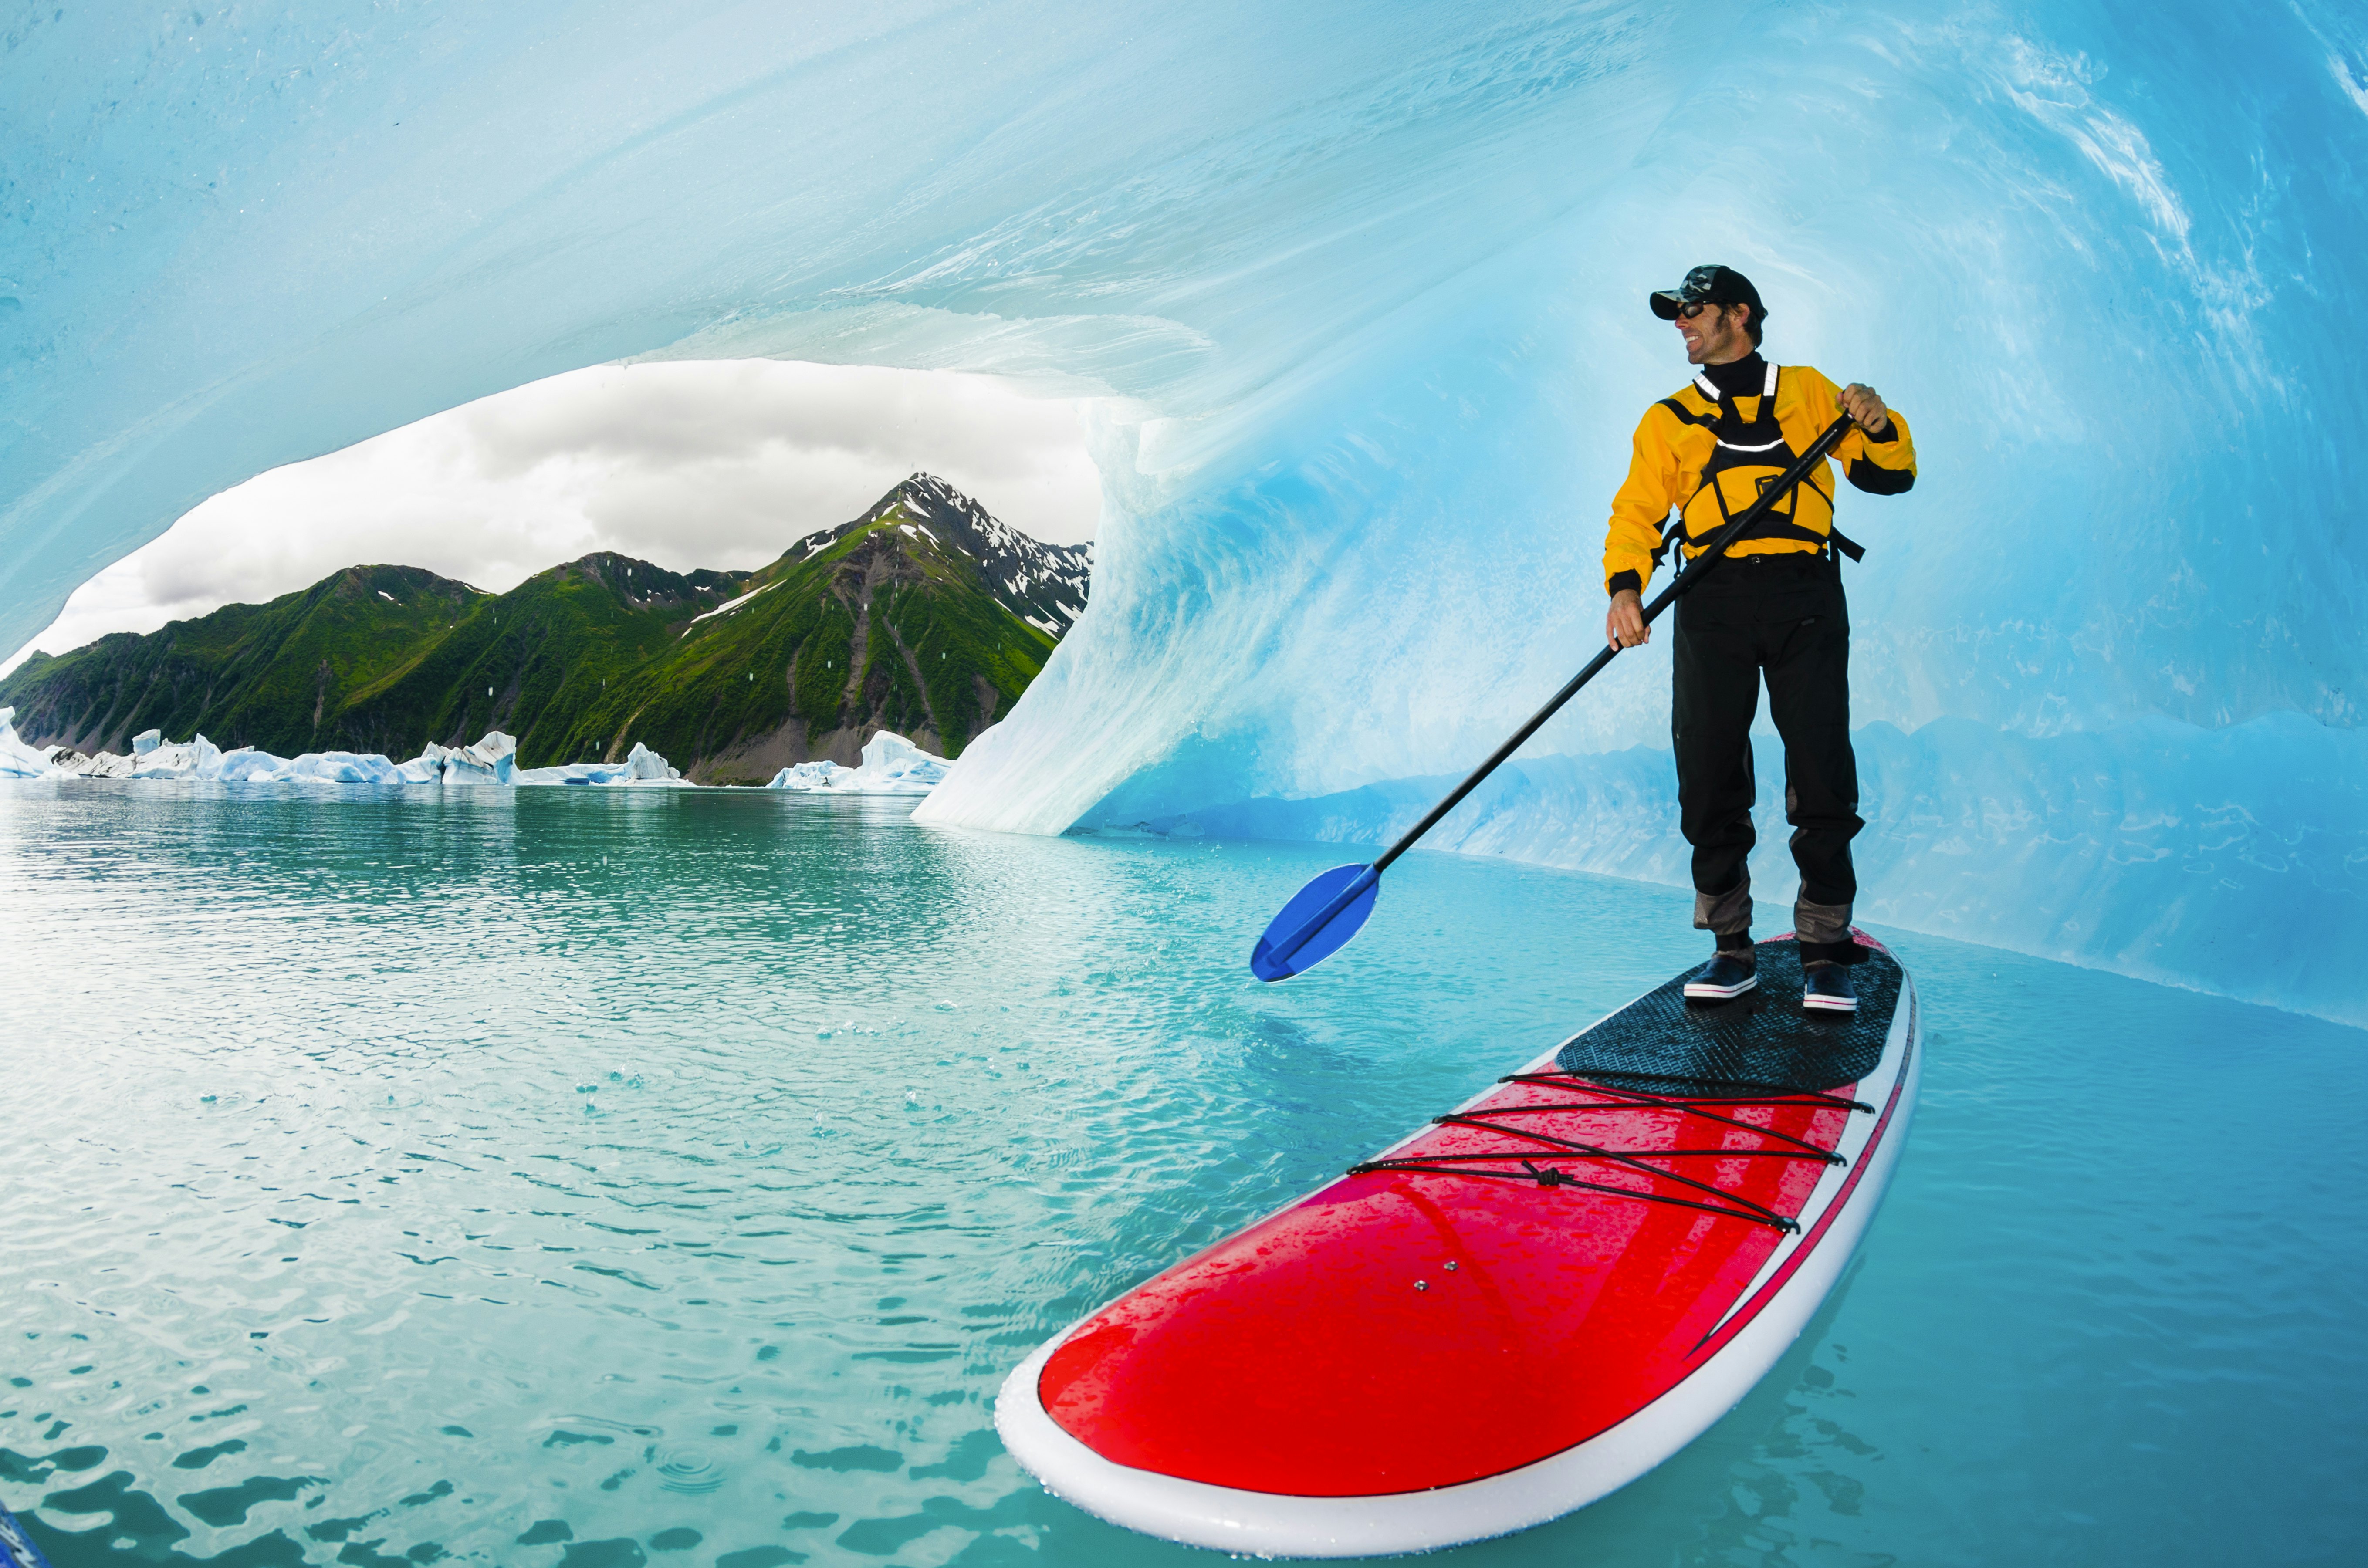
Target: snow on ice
(491, 761)
(891, 766)
(18, 760)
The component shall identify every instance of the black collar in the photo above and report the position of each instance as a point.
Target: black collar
(1747, 377)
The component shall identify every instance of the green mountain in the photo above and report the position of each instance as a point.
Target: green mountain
(924, 616)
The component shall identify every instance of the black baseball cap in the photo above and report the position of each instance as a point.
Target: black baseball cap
(1708, 285)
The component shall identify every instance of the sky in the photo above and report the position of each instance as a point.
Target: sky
(719, 463)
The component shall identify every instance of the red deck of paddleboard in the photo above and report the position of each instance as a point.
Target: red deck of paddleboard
(1399, 1331)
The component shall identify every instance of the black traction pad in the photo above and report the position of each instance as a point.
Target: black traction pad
(1663, 1044)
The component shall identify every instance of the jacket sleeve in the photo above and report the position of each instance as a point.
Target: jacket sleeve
(1880, 468)
(1886, 467)
(1642, 507)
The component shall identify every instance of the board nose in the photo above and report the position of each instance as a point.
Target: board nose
(1402, 1331)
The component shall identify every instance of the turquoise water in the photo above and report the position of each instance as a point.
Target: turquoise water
(588, 1178)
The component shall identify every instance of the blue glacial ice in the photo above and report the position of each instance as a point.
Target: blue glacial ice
(891, 765)
(642, 766)
(18, 760)
(1360, 286)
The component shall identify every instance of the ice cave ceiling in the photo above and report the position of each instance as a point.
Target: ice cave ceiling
(1363, 286)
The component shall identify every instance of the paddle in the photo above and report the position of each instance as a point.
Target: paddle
(1335, 904)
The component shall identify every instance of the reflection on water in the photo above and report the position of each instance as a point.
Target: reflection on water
(599, 1178)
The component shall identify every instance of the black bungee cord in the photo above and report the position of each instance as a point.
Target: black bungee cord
(1731, 1205)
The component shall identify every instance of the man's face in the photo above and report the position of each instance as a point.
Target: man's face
(1714, 334)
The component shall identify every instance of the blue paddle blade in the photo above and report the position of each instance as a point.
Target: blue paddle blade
(1316, 923)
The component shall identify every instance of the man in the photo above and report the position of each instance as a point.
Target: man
(1772, 604)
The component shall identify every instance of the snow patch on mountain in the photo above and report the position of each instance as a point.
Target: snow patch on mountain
(728, 605)
(1043, 584)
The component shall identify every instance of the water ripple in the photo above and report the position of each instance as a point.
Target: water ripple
(392, 1179)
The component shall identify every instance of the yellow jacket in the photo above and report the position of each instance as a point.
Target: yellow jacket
(1696, 435)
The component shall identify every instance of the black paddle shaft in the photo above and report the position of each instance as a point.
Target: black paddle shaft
(1682, 582)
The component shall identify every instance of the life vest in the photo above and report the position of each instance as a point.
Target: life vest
(1698, 455)
(1749, 456)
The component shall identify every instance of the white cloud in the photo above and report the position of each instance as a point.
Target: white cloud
(714, 463)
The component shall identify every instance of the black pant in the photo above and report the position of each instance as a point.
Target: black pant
(1784, 615)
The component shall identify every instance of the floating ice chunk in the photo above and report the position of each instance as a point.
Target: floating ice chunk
(76, 765)
(578, 773)
(648, 767)
(491, 761)
(18, 760)
(890, 757)
(104, 765)
(812, 777)
(248, 766)
(343, 767)
(159, 758)
(427, 767)
(891, 766)
(643, 767)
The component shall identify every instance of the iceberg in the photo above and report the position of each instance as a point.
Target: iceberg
(1360, 289)
(2133, 849)
(342, 768)
(427, 767)
(891, 765)
(574, 773)
(641, 767)
(18, 760)
(248, 766)
(647, 767)
(104, 765)
(492, 762)
(153, 758)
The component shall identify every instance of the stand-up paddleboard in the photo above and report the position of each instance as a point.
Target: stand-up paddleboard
(17, 1549)
(1507, 1314)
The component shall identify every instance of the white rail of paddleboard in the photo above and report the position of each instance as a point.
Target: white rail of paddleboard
(1270, 1525)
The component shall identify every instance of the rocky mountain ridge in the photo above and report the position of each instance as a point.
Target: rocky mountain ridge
(925, 615)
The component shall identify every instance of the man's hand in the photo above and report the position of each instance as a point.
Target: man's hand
(1864, 405)
(1624, 624)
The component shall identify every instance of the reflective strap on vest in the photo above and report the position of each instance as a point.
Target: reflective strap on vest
(1774, 525)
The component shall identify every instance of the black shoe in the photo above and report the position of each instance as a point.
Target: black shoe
(1723, 979)
(1826, 988)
